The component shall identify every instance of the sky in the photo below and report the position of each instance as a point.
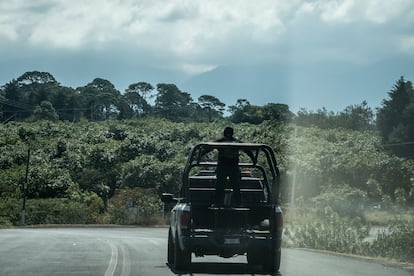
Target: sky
(307, 54)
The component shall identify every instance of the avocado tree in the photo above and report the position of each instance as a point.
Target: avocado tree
(45, 111)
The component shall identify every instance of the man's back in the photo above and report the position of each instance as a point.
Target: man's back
(228, 156)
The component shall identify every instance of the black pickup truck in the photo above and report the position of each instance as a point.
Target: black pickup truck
(253, 227)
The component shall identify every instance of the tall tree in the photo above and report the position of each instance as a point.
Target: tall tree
(356, 117)
(137, 96)
(67, 103)
(243, 111)
(172, 103)
(100, 99)
(322, 118)
(15, 103)
(26, 92)
(144, 89)
(35, 77)
(2, 101)
(395, 119)
(213, 105)
(239, 110)
(38, 86)
(277, 112)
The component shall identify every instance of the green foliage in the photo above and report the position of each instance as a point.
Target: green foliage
(396, 243)
(244, 112)
(144, 172)
(136, 96)
(172, 103)
(45, 111)
(100, 99)
(330, 232)
(347, 235)
(10, 208)
(78, 208)
(135, 206)
(345, 201)
(114, 171)
(213, 105)
(38, 96)
(356, 117)
(325, 159)
(395, 119)
(353, 117)
(59, 211)
(48, 182)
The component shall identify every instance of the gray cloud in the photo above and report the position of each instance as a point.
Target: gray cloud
(124, 40)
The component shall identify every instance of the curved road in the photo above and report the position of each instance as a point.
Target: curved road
(142, 251)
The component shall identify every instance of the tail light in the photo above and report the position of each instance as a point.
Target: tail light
(185, 218)
(278, 219)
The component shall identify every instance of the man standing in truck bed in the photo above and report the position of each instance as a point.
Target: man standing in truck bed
(228, 166)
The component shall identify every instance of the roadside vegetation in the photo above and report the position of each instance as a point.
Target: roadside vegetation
(343, 173)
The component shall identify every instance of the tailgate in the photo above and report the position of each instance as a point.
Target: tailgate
(230, 218)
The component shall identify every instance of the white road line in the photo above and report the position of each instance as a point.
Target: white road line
(113, 262)
(126, 262)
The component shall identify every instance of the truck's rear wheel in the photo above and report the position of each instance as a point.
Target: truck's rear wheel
(170, 254)
(271, 262)
(182, 258)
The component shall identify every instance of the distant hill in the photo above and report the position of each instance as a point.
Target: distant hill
(330, 85)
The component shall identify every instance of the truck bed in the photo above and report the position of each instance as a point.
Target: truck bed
(250, 216)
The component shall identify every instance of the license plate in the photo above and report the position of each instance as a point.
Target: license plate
(232, 241)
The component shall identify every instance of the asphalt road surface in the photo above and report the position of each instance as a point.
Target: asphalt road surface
(142, 251)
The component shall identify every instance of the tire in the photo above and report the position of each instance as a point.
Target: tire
(170, 253)
(271, 262)
(182, 258)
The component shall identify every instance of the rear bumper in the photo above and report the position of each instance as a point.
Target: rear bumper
(227, 244)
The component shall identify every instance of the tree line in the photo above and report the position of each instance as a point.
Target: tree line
(39, 96)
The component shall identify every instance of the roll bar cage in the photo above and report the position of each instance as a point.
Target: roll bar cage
(198, 151)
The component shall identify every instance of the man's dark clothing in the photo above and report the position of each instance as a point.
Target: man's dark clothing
(228, 166)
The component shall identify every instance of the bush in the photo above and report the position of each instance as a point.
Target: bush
(10, 209)
(345, 201)
(135, 206)
(333, 232)
(347, 235)
(397, 243)
(58, 211)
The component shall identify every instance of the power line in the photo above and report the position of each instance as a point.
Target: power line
(398, 144)
(29, 107)
(17, 104)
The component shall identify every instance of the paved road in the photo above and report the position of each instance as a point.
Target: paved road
(142, 251)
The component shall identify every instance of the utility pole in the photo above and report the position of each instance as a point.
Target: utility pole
(25, 185)
(26, 137)
(292, 200)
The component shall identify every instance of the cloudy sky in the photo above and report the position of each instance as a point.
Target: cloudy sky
(296, 52)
